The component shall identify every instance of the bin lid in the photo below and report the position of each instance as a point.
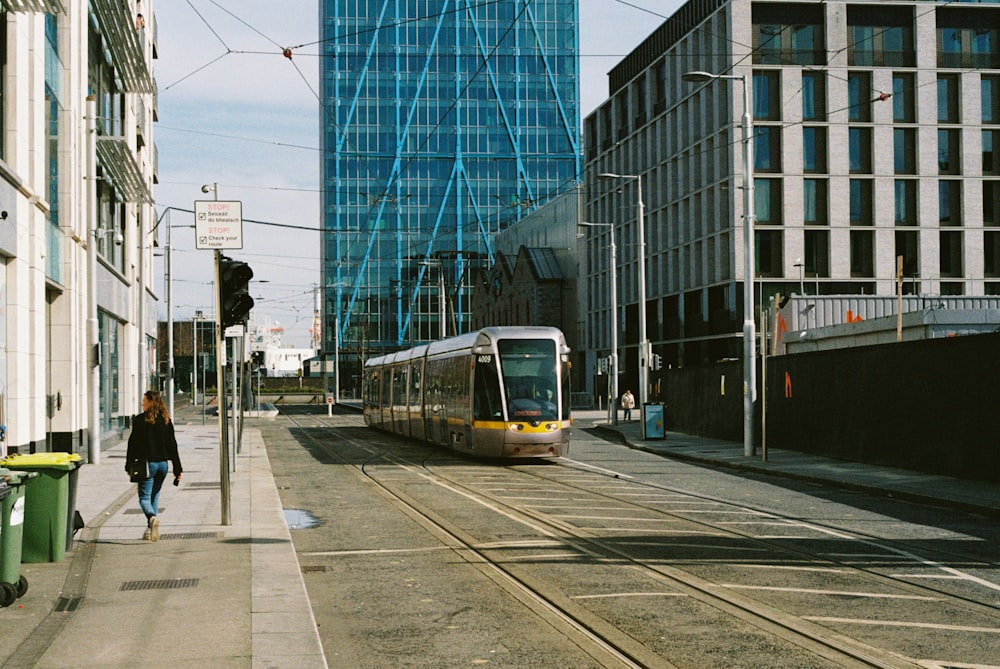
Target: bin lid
(15, 477)
(42, 461)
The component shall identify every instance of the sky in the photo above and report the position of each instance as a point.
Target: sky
(238, 115)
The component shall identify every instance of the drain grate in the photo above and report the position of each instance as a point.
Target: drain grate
(203, 484)
(315, 568)
(68, 604)
(191, 535)
(163, 584)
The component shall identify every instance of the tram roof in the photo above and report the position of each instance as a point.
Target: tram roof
(484, 336)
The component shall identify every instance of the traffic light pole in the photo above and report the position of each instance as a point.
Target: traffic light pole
(220, 384)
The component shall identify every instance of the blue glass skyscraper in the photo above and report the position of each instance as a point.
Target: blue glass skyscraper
(443, 122)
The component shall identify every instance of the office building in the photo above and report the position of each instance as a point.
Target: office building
(441, 126)
(875, 135)
(77, 165)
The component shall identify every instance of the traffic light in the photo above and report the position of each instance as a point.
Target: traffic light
(656, 361)
(234, 284)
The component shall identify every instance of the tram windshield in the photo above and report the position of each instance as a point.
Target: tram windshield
(530, 378)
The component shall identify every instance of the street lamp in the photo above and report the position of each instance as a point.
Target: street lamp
(643, 341)
(613, 387)
(749, 363)
(800, 265)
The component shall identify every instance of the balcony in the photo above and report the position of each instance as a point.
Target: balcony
(881, 58)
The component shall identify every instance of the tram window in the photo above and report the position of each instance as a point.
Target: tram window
(529, 375)
(414, 399)
(566, 390)
(487, 404)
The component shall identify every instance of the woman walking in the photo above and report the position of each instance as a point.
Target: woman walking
(150, 446)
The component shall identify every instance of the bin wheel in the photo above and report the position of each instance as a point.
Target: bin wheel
(22, 586)
(8, 593)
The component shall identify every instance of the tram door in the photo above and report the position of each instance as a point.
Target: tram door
(399, 408)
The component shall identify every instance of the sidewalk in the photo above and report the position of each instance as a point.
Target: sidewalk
(974, 496)
(204, 595)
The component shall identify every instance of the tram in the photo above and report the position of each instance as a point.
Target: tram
(494, 393)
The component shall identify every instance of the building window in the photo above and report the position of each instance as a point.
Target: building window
(949, 151)
(949, 96)
(816, 250)
(767, 201)
(902, 98)
(991, 159)
(788, 34)
(991, 254)
(989, 93)
(880, 36)
(768, 245)
(862, 253)
(950, 202)
(622, 117)
(861, 201)
(859, 150)
(859, 96)
(767, 148)
(814, 202)
(991, 203)
(952, 288)
(904, 150)
(965, 40)
(660, 84)
(907, 246)
(607, 136)
(639, 99)
(813, 149)
(813, 96)
(767, 95)
(951, 254)
(905, 202)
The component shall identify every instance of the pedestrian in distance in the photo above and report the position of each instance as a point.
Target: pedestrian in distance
(628, 403)
(150, 446)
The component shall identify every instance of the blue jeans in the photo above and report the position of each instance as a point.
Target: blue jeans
(149, 490)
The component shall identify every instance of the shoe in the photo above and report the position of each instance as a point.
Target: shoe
(145, 535)
(154, 529)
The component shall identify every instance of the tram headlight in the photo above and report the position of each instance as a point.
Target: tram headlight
(552, 427)
(516, 427)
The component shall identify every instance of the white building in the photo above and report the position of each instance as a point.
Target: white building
(276, 359)
(876, 135)
(70, 320)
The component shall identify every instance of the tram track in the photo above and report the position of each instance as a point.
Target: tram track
(920, 557)
(608, 647)
(603, 641)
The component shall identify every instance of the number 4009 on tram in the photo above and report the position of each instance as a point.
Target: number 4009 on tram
(497, 392)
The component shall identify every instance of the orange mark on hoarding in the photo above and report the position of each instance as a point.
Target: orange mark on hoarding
(788, 385)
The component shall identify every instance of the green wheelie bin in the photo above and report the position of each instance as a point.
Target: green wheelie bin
(48, 507)
(13, 584)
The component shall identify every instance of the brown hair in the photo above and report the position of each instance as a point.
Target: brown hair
(156, 407)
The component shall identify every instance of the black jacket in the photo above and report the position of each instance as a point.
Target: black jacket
(152, 442)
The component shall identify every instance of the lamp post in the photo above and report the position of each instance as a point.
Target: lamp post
(613, 386)
(749, 366)
(800, 265)
(643, 341)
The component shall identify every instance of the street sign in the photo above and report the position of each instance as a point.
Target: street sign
(218, 225)
(329, 399)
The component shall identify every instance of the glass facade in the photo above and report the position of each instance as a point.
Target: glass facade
(440, 128)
